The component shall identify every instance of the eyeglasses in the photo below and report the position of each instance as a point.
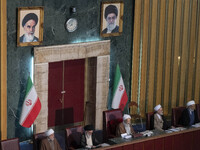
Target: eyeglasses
(111, 18)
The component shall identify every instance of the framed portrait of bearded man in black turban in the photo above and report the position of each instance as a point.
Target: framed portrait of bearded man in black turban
(30, 26)
(111, 18)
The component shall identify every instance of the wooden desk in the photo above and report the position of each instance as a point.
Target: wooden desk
(184, 140)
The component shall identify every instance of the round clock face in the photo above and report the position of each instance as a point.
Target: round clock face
(71, 24)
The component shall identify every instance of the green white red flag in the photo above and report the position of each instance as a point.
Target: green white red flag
(31, 106)
(120, 97)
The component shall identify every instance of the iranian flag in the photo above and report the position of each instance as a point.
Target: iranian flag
(31, 106)
(120, 97)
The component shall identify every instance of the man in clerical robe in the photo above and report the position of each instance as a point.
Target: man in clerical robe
(189, 115)
(50, 142)
(158, 121)
(88, 139)
(125, 126)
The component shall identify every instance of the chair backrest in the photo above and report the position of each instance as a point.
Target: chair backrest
(149, 126)
(198, 110)
(10, 144)
(37, 140)
(73, 137)
(111, 118)
(176, 114)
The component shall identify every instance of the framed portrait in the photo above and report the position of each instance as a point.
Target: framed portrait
(30, 26)
(111, 18)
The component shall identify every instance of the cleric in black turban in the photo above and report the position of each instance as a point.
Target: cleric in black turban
(30, 16)
(88, 139)
(111, 9)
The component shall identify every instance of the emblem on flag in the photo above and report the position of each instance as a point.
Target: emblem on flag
(28, 102)
(121, 88)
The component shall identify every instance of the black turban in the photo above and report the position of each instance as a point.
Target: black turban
(88, 127)
(30, 16)
(110, 9)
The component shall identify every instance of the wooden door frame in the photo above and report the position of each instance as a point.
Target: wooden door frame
(3, 70)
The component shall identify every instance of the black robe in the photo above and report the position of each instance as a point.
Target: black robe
(185, 118)
(84, 143)
(115, 30)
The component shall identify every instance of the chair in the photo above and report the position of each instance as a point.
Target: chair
(111, 118)
(176, 114)
(198, 110)
(37, 140)
(10, 144)
(149, 126)
(73, 137)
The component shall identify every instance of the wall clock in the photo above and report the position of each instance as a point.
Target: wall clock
(71, 24)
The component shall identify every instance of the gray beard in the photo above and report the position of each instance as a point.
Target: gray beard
(28, 38)
(110, 27)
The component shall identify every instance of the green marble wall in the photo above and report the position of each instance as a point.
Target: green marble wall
(56, 13)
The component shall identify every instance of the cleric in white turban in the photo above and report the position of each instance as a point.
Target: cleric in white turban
(189, 115)
(125, 126)
(158, 120)
(50, 141)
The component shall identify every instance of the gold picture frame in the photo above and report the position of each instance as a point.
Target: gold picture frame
(111, 18)
(30, 26)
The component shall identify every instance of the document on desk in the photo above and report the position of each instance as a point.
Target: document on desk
(177, 129)
(174, 130)
(104, 144)
(197, 125)
(147, 133)
(126, 136)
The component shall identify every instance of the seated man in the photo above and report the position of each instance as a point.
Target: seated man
(158, 120)
(50, 142)
(125, 126)
(88, 139)
(189, 115)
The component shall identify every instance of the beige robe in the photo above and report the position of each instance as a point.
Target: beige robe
(158, 122)
(45, 145)
(121, 129)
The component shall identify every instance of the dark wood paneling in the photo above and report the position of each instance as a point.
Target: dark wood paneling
(149, 145)
(168, 142)
(139, 146)
(187, 138)
(159, 144)
(117, 148)
(196, 138)
(177, 142)
(128, 147)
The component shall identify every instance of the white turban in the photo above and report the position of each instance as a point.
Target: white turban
(157, 107)
(126, 116)
(192, 102)
(49, 132)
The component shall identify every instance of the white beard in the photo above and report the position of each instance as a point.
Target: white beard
(28, 38)
(127, 128)
(110, 27)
